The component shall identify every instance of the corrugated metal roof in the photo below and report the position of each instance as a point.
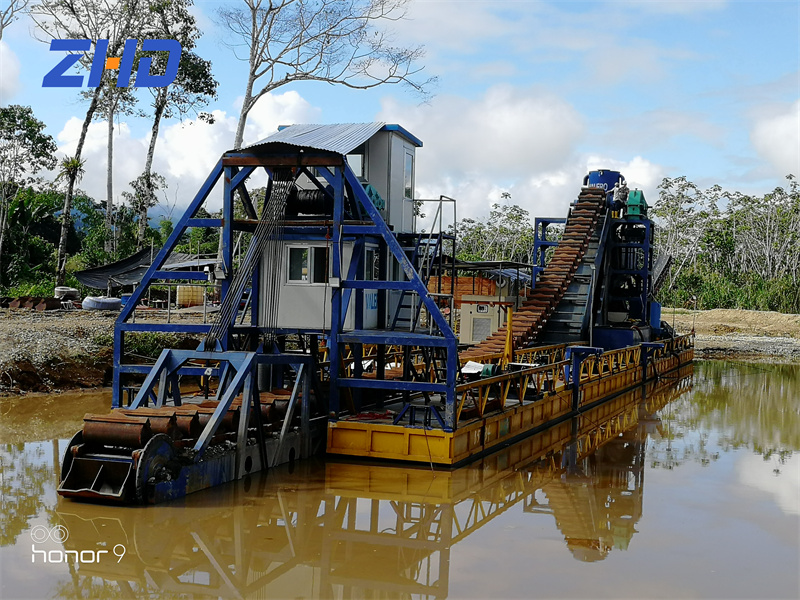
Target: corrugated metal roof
(340, 138)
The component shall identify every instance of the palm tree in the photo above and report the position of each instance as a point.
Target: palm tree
(71, 169)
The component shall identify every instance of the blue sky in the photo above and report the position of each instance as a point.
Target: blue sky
(530, 96)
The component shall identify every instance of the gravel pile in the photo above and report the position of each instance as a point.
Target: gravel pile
(747, 346)
(39, 336)
(44, 351)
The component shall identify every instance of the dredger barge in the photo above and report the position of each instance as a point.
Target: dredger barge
(334, 327)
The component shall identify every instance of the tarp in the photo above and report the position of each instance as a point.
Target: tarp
(131, 270)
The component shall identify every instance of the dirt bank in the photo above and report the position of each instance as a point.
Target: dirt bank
(54, 350)
(57, 350)
(739, 333)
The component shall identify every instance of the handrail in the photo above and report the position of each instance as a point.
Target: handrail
(525, 353)
(544, 378)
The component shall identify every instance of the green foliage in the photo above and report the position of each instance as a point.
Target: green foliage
(165, 227)
(104, 340)
(24, 148)
(150, 344)
(44, 288)
(507, 234)
(199, 240)
(730, 250)
(91, 222)
(71, 167)
(747, 291)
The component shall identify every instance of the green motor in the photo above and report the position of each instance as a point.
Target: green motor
(635, 207)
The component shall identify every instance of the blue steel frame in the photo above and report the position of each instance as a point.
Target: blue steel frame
(235, 168)
(644, 273)
(541, 243)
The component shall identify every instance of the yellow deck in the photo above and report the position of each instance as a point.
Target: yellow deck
(603, 377)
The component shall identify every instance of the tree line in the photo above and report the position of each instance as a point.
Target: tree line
(729, 249)
(342, 42)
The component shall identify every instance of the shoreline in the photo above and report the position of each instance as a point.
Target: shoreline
(747, 347)
(56, 351)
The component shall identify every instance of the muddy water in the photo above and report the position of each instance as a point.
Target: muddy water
(692, 492)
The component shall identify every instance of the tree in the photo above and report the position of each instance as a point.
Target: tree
(507, 234)
(685, 213)
(10, 13)
(142, 198)
(24, 150)
(744, 255)
(192, 89)
(112, 102)
(112, 20)
(334, 41)
(32, 235)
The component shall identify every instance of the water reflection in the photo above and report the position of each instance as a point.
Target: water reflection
(353, 530)
(345, 530)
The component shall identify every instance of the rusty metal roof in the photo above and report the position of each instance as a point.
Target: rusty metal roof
(341, 138)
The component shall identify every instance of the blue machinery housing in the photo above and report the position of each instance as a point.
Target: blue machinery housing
(379, 374)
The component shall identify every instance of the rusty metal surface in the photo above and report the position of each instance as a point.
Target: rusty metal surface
(161, 420)
(117, 430)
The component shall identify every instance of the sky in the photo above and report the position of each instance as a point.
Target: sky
(530, 96)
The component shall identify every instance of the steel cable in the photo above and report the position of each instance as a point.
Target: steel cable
(267, 241)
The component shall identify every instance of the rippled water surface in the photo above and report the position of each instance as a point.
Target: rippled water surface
(693, 491)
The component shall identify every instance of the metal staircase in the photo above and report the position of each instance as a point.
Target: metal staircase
(570, 320)
(422, 252)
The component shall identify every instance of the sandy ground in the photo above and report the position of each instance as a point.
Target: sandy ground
(739, 333)
(47, 351)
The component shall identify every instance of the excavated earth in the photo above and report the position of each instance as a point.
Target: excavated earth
(56, 350)
(732, 333)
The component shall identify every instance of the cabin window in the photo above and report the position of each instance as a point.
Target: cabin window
(357, 160)
(298, 264)
(301, 258)
(320, 265)
(408, 176)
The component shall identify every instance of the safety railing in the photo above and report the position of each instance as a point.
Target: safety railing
(609, 363)
(536, 380)
(676, 345)
(553, 353)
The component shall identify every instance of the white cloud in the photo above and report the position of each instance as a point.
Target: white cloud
(9, 74)
(639, 173)
(757, 473)
(459, 26)
(273, 110)
(129, 155)
(185, 153)
(776, 138)
(521, 141)
(190, 149)
(501, 141)
(654, 128)
(678, 7)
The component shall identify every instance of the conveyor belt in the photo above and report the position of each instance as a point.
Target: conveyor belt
(660, 271)
(554, 280)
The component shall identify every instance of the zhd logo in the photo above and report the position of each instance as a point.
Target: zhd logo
(100, 63)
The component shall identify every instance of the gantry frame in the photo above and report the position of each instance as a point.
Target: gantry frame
(234, 169)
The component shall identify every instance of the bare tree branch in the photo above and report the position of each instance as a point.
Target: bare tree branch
(333, 41)
(11, 12)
